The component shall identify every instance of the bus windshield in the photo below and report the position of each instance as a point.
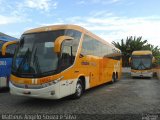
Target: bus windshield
(35, 56)
(141, 62)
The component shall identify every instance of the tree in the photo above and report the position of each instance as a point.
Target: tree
(125, 49)
(156, 53)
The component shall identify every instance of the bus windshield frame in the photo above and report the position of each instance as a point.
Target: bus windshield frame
(35, 56)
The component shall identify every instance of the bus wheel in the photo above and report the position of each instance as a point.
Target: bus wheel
(79, 90)
(113, 78)
(116, 76)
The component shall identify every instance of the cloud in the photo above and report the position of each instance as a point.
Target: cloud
(4, 20)
(115, 28)
(101, 13)
(81, 2)
(41, 4)
(21, 10)
(103, 2)
(15, 34)
(25, 7)
(114, 1)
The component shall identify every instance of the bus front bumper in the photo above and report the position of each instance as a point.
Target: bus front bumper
(142, 74)
(50, 92)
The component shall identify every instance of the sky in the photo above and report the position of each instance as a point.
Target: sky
(111, 20)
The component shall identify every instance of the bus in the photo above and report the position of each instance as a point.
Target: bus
(61, 60)
(6, 60)
(141, 63)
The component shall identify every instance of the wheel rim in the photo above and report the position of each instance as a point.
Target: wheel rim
(79, 89)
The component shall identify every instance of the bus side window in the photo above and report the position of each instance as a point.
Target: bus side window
(87, 46)
(1, 44)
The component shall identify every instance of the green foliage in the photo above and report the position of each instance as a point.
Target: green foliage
(156, 53)
(135, 43)
(158, 60)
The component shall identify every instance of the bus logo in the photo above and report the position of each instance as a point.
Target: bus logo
(85, 63)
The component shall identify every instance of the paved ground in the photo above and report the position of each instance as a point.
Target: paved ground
(127, 97)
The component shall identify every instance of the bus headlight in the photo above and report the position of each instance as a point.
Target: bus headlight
(58, 80)
(52, 82)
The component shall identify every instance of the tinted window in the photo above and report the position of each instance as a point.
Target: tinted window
(35, 54)
(91, 46)
(87, 46)
(69, 49)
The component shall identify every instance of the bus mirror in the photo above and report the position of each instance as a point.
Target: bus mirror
(58, 42)
(5, 45)
(153, 60)
(81, 55)
(129, 60)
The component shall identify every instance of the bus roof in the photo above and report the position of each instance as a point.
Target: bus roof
(54, 27)
(142, 52)
(7, 39)
(68, 26)
(4, 37)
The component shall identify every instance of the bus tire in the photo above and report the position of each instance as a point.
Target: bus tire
(116, 76)
(113, 78)
(79, 90)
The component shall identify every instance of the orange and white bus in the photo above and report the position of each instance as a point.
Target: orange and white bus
(61, 60)
(141, 63)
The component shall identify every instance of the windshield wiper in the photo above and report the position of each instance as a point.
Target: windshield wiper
(23, 61)
(36, 62)
(140, 65)
(144, 66)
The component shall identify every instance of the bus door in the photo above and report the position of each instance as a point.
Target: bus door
(66, 61)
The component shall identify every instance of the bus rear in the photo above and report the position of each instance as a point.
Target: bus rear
(141, 64)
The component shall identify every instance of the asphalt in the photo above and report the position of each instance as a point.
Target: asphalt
(126, 99)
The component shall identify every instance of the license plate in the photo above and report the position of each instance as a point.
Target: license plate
(27, 92)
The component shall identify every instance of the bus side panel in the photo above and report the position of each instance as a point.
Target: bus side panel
(5, 70)
(111, 66)
(109, 69)
(120, 70)
(102, 71)
(94, 71)
(87, 66)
